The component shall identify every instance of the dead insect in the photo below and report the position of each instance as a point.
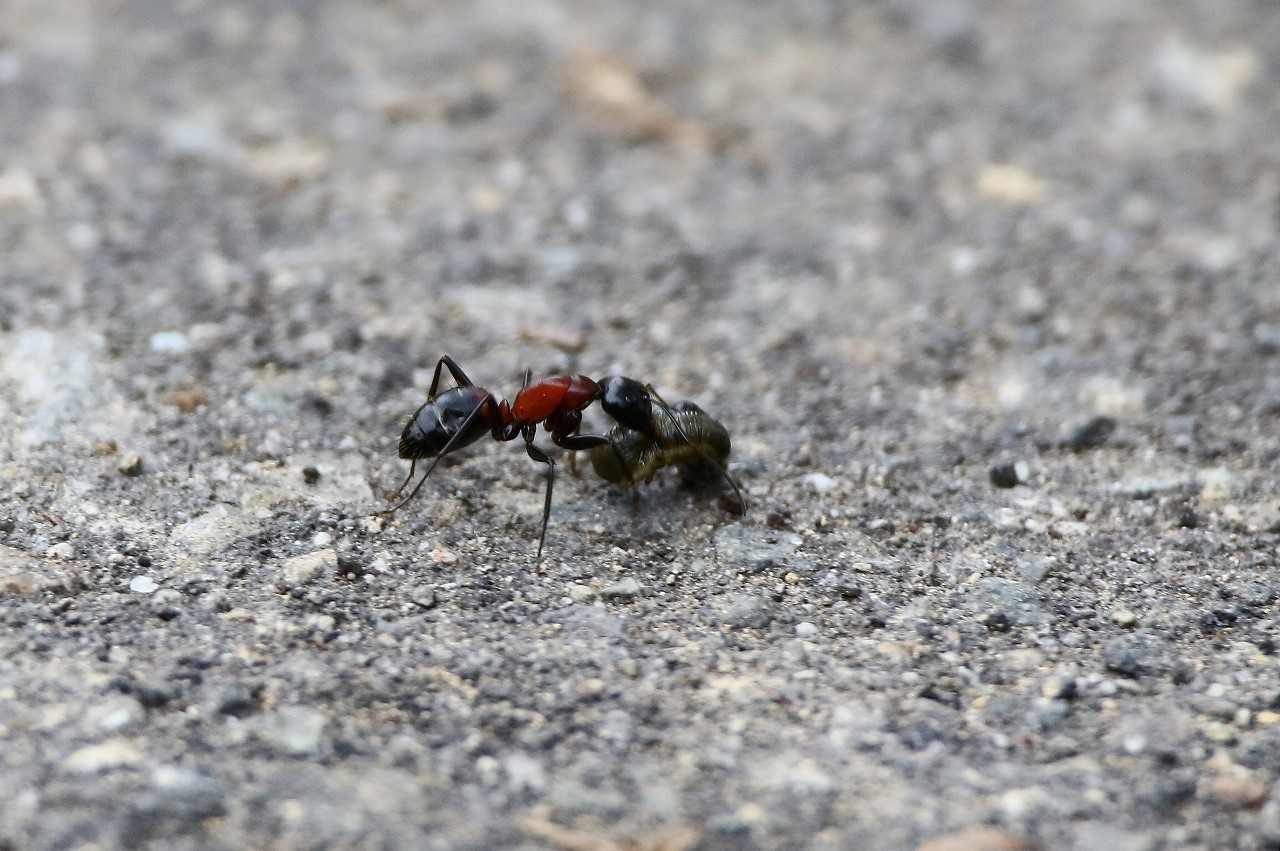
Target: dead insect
(461, 415)
(682, 436)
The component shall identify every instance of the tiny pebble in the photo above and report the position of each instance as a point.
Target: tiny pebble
(1238, 792)
(1123, 618)
(805, 629)
(130, 465)
(142, 585)
(170, 342)
(622, 589)
(64, 550)
(1004, 475)
(820, 482)
(322, 539)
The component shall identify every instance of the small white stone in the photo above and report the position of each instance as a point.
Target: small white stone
(65, 550)
(820, 482)
(170, 342)
(805, 629)
(142, 585)
(322, 539)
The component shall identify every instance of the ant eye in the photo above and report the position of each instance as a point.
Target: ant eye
(627, 401)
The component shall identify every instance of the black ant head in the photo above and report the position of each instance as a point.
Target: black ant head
(628, 402)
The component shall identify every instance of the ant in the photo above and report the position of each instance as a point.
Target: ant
(463, 414)
(687, 437)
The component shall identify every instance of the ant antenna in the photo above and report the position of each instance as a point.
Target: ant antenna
(666, 409)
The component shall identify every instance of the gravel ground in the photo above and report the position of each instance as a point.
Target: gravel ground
(986, 292)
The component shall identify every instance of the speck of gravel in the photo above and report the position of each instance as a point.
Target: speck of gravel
(143, 585)
(130, 465)
(820, 483)
(623, 589)
(1003, 475)
(749, 611)
(1091, 433)
(1124, 618)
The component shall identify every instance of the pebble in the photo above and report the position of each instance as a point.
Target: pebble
(1019, 805)
(214, 530)
(303, 569)
(1219, 484)
(143, 585)
(1036, 570)
(624, 589)
(1136, 653)
(130, 465)
(295, 730)
(170, 343)
(1242, 793)
(1060, 687)
(805, 629)
(1266, 338)
(820, 482)
(64, 551)
(95, 759)
(1196, 78)
(1124, 618)
(523, 772)
(183, 793)
(749, 611)
(166, 604)
(1091, 433)
(1003, 475)
(23, 574)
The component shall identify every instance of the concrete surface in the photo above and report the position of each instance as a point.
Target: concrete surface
(986, 292)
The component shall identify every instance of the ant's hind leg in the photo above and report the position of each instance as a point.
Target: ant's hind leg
(459, 377)
(391, 497)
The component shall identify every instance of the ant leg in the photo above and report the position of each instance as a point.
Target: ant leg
(459, 377)
(413, 465)
(539, 455)
(738, 504)
(448, 447)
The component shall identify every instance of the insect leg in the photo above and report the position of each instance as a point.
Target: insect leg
(539, 455)
(459, 377)
(454, 441)
(739, 504)
(413, 465)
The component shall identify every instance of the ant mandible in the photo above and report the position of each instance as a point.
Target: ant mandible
(463, 414)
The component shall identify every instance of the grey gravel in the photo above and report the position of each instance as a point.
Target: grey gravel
(893, 247)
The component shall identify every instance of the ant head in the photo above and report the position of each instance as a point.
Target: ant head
(628, 402)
